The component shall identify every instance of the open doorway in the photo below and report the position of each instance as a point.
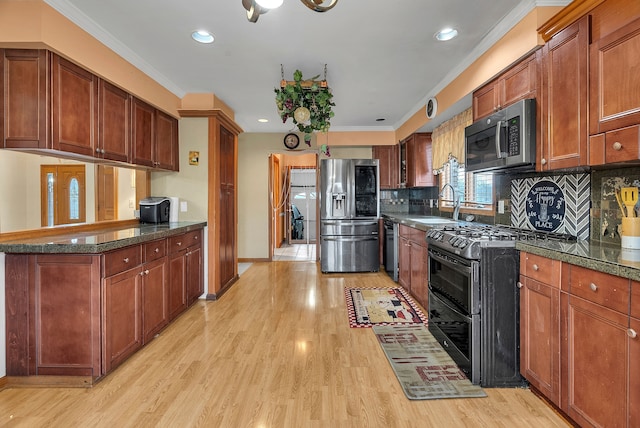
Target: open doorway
(294, 207)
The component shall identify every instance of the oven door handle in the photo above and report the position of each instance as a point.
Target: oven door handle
(467, 269)
(445, 301)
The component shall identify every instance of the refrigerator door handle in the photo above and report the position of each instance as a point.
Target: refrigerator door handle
(350, 238)
(348, 223)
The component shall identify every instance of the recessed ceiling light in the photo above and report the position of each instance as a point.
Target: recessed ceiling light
(202, 36)
(263, 120)
(446, 34)
(380, 119)
(269, 4)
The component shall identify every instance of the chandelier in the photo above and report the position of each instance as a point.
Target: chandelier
(255, 8)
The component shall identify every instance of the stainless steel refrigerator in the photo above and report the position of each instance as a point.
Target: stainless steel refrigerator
(349, 211)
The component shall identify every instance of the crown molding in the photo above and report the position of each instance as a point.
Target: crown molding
(566, 16)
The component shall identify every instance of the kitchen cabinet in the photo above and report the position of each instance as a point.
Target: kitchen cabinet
(185, 271)
(540, 324)
(416, 157)
(413, 271)
(518, 82)
(54, 106)
(388, 165)
(564, 99)
(155, 294)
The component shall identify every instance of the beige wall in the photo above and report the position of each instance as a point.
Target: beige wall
(190, 184)
(253, 187)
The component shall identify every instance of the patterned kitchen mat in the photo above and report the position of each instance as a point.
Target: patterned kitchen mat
(423, 367)
(381, 306)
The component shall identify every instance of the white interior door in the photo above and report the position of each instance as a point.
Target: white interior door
(302, 205)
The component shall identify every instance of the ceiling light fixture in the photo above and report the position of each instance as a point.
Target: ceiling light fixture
(446, 34)
(255, 8)
(263, 120)
(202, 36)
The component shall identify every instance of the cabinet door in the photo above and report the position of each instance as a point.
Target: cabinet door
(540, 337)
(195, 283)
(519, 82)
(404, 263)
(419, 277)
(227, 235)
(388, 161)
(155, 296)
(24, 87)
(597, 355)
(143, 128)
(485, 100)
(122, 310)
(166, 142)
(564, 98)
(75, 108)
(227, 158)
(615, 81)
(423, 159)
(634, 372)
(114, 136)
(177, 284)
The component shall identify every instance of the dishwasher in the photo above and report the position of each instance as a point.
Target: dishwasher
(390, 255)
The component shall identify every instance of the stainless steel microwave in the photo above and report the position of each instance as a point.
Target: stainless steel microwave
(504, 139)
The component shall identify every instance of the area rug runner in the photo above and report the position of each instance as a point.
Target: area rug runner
(423, 367)
(385, 306)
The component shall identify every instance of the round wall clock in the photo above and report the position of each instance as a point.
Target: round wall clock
(432, 107)
(291, 141)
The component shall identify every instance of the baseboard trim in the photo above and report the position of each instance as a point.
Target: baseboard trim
(3, 382)
(49, 381)
(254, 260)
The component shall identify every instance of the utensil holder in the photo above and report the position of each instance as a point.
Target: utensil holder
(630, 232)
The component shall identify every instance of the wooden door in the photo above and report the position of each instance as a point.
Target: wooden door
(154, 298)
(564, 142)
(388, 161)
(106, 193)
(419, 274)
(143, 128)
(122, 310)
(404, 261)
(25, 89)
(195, 273)
(227, 206)
(166, 142)
(75, 108)
(540, 337)
(423, 171)
(114, 133)
(177, 284)
(62, 194)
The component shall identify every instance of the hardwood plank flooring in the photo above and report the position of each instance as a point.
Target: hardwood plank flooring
(275, 351)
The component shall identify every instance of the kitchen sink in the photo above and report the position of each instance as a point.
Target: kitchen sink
(432, 220)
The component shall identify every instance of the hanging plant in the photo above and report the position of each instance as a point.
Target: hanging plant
(307, 102)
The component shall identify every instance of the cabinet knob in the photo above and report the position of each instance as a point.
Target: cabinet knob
(195, 237)
(179, 244)
(543, 161)
(593, 287)
(536, 267)
(126, 260)
(97, 149)
(617, 146)
(519, 284)
(632, 333)
(146, 272)
(157, 250)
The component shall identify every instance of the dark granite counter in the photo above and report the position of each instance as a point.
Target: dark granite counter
(589, 254)
(99, 241)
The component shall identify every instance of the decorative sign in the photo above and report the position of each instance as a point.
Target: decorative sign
(194, 158)
(545, 206)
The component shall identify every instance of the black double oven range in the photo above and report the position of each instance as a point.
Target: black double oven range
(474, 298)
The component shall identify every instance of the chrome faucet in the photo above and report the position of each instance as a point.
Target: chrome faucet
(456, 200)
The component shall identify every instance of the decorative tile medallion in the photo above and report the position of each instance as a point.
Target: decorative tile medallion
(557, 204)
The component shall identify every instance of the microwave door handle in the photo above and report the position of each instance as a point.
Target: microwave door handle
(498, 133)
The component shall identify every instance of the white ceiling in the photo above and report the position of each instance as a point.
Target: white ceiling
(382, 59)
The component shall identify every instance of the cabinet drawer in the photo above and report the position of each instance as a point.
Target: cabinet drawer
(405, 231)
(154, 250)
(121, 260)
(601, 288)
(541, 268)
(185, 240)
(622, 145)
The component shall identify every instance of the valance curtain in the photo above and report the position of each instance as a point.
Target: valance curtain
(448, 139)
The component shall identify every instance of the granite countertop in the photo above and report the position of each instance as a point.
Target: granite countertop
(99, 241)
(421, 222)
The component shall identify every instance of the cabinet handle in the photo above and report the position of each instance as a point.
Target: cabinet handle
(179, 244)
(593, 287)
(102, 151)
(632, 333)
(126, 260)
(146, 271)
(519, 284)
(195, 237)
(536, 267)
(97, 149)
(157, 250)
(543, 161)
(617, 146)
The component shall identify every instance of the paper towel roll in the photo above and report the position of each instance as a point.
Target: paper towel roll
(174, 209)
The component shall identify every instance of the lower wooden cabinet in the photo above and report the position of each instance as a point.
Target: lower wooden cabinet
(413, 271)
(155, 298)
(186, 273)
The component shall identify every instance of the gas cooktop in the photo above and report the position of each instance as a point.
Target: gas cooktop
(468, 240)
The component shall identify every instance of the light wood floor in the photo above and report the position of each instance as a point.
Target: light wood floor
(275, 351)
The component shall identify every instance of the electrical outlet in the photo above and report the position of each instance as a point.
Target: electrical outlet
(132, 203)
(501, 206)
(183, 206)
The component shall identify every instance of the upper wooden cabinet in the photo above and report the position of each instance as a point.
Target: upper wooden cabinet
(389, 162)
(416, 168)
(563, 142)
(518, 82)
(51, 104)
(614, 102)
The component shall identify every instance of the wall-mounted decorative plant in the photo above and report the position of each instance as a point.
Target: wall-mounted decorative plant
(307, 102)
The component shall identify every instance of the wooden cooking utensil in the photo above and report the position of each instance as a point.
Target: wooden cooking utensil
(629, 197)
(619, 199)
